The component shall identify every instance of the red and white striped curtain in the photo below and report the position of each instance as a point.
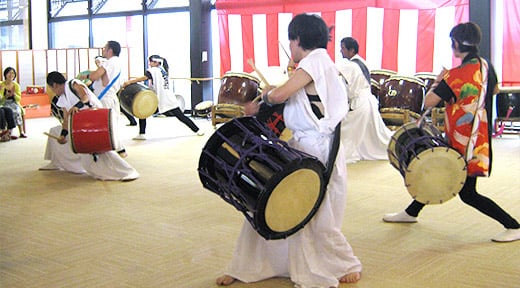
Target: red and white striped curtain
(406, 36)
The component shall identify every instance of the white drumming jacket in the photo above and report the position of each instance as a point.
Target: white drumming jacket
(110, 100)
(108, 166)
(160, 84)
(364, 134)
(319, 254)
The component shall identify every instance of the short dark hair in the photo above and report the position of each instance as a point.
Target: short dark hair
(350, 43)
(311, 30)
(9, 69)
(468, 36)
(115, 46)
(55, 77)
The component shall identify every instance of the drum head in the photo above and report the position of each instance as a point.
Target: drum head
(145, 104)
(436, 175)
(293, 200)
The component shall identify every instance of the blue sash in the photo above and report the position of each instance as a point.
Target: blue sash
(108, 86)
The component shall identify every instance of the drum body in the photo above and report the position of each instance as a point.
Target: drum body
(375, 88)
(433, 172)
(380, 75)
(428, 79)
(276, 187)
(402, 92)
(401, 100)
(238, 88)
(91, 131)
(508, 97)
(138, 100)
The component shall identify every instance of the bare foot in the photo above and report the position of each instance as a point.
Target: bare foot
(350, 278)
(225, 280)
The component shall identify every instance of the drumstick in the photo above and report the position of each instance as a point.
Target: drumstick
(52, 136)
(285, 51)
(250, 62)
(421, 119)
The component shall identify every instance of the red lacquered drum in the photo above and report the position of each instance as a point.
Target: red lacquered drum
(402, 92)
(138, 100)
(238, 88)
(91, 131)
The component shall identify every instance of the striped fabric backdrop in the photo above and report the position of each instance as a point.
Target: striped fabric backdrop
(406, 36)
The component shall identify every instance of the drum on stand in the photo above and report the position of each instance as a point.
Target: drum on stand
(508, 111)
(203, 109)
(276, 187)
(433, 172)
(375, 88)
(91, 131)
(428, 79)
(138, 100)
(380, 75)
(401, 100)
(439, 110)
(508, 97)
(238, 88)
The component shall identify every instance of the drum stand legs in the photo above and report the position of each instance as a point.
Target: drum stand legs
(222, 113)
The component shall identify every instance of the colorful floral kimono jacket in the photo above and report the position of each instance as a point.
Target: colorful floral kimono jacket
(468, 95)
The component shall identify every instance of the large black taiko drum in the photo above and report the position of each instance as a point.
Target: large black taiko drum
(276, 187)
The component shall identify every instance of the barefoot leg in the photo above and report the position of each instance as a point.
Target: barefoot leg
(225, 280)
(350, 278)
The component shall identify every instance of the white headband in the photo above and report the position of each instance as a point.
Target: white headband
(468, 44)
(157, 60)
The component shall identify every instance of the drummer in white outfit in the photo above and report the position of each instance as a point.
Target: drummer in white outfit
(103, 166)
(157, 75)
(109, 73)
(318, 255)
(364, 134)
